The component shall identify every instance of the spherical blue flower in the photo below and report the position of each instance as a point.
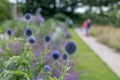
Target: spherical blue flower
(55, 55)
(9, 31)
(70, 47)
(65, 56)
(27, 16)
(47, 68)
(28, 32)
(31, 40)
(47, 38)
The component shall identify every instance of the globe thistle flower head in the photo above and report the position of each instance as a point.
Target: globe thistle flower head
(65, 56)
(47, 68)
(28, 32)
(27, 16)
(9, 32)
(31, 40)
(70, 47)
(56, 55)
(47, 38)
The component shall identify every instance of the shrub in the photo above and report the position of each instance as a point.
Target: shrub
(117, 47)
(35, 59)
(107, 35)
(60, 16)
(5, 12)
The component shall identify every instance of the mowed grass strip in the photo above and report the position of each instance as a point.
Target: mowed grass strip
(88, 63)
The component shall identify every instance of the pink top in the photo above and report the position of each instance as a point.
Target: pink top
(84, 25)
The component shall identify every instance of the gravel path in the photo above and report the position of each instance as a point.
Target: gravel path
(110, 57)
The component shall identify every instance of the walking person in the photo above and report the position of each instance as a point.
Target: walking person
(84, 28)
(89, 24)
(70, 23)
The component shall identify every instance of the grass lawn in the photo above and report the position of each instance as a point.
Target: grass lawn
(87, 61)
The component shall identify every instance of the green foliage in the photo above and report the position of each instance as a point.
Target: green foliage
(32, 5)
(111, 18)
(16, 26)
(16, 68)
(99, 3)
(61, 12)
(60, 16)
(26, 65)
(5, 11)
(114, 17)
(96, 18)
(107, 35)
(52, 78)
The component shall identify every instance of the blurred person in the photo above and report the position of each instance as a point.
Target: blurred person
(84, 28)
(89, 24)
(70, 23)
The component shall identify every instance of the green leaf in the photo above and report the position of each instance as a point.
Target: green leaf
(52, 78)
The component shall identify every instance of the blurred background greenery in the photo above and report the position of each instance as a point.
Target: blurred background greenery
(5, 10)
(61, 9)
(67, 8)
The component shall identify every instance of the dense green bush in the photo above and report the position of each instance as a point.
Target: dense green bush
(114, 17)
(111, 18)
(60, 16)
(96, 18)
(107, 35)
(5, 8)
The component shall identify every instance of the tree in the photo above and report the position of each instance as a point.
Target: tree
(99, 3)
(51, 7)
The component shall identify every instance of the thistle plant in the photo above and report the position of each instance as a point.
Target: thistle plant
(31, 40)
(47, 40)
(27, 16)
(28, 65)
(28, 32)
(65, 56)
(55, 55)
(9, 32)
(70, 47)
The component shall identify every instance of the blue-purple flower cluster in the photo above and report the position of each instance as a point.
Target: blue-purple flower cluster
(31, 40)
(28, 32)
(55, 55)
(47, 38)
(34, 67)
(9, 32)
(27, 16)
(70, 47)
